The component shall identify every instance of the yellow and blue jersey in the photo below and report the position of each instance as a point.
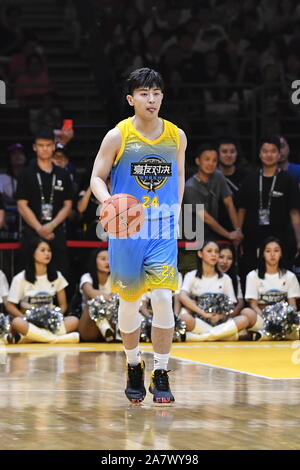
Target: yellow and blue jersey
(146, 169)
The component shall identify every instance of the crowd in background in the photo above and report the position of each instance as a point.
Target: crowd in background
(243, 52)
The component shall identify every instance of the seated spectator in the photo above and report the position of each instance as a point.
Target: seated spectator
(129, 56)
(270, 283)
(294, 39)
(12, 34)
(72, 25)
(8, 185)
(275, 100)
(211, 67)
(222, 105)
(17, 62)
(253, 32)
(275, 52)
(227, 264)
(34, 82)
(38, 285)
(47, 115)
(278, 17)
(210, 34)
(191, 61)
(154, 49)
(249, 70)
(292, 68)
(226, 11)
(200, 284)
(171, 68)
(3, 290)
(94, 283)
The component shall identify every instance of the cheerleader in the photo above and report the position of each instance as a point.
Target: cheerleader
(206, 280)
(37, 286)
(226, 264)
(3, 290)
(270, 283)
(94, 283)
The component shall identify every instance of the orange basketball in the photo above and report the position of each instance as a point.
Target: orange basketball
(122, 215)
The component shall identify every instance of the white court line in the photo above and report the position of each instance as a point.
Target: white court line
(236, 346)
(47, 349)
(176, 391)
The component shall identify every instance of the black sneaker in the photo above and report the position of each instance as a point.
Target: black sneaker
(160, 387)
(135, 390)
(11, 338)
(109, 336)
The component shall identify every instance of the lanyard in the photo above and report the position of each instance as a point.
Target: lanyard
(231, 184)
(42, 191)
(261, 190)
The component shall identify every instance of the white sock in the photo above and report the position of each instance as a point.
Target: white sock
(133, 356)
(201, 326)
(161, 361)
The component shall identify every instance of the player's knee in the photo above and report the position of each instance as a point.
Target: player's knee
(163, 316)
(128, 316)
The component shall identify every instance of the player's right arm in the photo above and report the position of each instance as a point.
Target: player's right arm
(108, 151)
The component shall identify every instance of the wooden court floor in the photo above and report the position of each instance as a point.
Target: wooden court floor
(228, 396)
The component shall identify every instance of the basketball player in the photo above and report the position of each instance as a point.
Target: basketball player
(145, 155)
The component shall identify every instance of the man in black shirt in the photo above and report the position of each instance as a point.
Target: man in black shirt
(268, 203)
(44, 197)
(234, 175)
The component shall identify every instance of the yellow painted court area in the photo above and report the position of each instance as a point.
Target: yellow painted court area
(276, 360)
(273, 360)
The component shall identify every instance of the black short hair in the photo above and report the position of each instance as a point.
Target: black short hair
(208, 146)
(273, 139)
(144, 77)
(226, 140)
(44, 133)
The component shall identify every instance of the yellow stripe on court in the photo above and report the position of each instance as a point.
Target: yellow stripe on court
(272, 360)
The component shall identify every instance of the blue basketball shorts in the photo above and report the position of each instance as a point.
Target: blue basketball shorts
(145, 261)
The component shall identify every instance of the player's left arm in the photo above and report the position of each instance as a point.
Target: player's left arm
(181, 166)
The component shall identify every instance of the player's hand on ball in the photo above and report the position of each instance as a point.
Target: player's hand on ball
(122, 215)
